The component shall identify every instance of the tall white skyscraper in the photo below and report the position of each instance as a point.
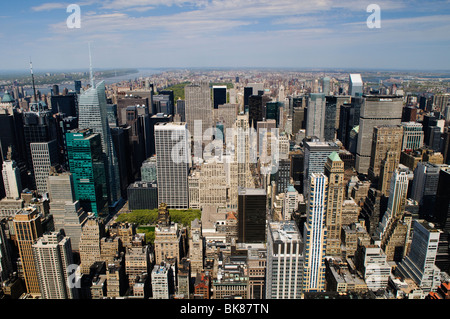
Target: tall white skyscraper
(284, 261)
(313, 277)
(93, 114)
(53, 254)
(11, 179)
(315, 119)
(172, 163)
(44, 155)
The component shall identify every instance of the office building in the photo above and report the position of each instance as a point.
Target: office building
(315, 235)
(231, 282)
(316, 154)
(329, 130)
(334, 171)
(196, 247)
(198, 108)
(28, 228)
(272, 111)
(168, 238)
(148, 170)
(251, 215)
(442, 220)
(376, 110)
(173, 158)
(66, 211)
(93, 115)
(162, 277)
(371, 261)
(39, 126)
(424, 187)
(180, 109)
(355, 87)
(385, 138)
(349, 115)
(315, 119)
(11, 178)
(64, 104)
(90, 252)
(419, 264)
(284, 261)
(44, 156)
(142, 195)
(412, 136)
(53, 256)
(396, 202)
(219, 95)
(88, 168)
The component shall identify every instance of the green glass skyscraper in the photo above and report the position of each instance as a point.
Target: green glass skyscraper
(87, 164)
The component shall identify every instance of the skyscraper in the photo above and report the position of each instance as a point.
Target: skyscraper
(284, 261)
(315, 235)
(90, 243)
(385, 138)
(219, 95)
(93, 115)
(172, 161)
(334, 171)
(424, 187)
(376, 110)
(44, 156)
(87, 164)
(11, 178)
(66, 211)
(28, 228)
(251, 215)
(315, 119)
(329, 125)
(419, 263)
(38, 126)
(53, 256)
(316, 154)
(198, 108)
(396, 203)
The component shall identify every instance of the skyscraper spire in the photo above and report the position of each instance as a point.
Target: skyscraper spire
(91, 74)
(32, 79)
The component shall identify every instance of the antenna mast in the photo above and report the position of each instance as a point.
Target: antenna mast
(32, 80)
(90, 67)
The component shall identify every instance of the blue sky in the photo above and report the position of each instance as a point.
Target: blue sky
(226, 33)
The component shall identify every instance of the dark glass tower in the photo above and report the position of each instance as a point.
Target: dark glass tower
(251, 215)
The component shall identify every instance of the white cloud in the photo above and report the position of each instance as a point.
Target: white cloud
(50, 6)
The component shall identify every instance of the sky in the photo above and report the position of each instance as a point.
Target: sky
(226, 33)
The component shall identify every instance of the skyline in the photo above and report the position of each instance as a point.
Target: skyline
(226, 34)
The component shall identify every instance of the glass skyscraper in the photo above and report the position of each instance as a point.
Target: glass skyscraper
(87, 164)
(93, 110)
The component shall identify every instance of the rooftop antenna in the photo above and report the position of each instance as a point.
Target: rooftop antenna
(90, 67)
(32, 80)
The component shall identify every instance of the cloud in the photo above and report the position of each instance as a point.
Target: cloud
(50, 6)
